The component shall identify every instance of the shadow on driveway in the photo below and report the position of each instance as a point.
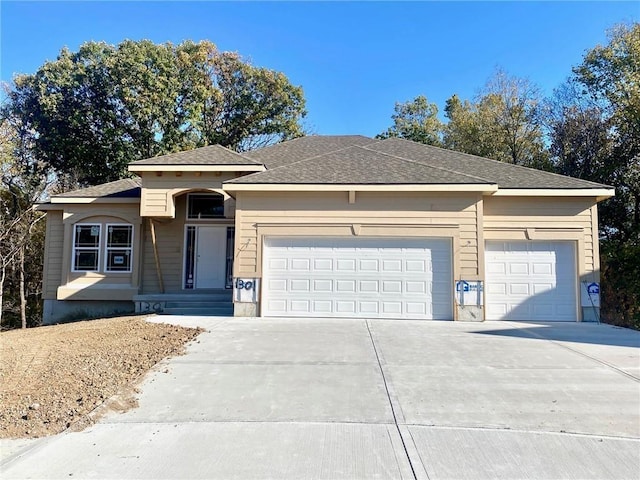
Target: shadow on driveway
(589, 333)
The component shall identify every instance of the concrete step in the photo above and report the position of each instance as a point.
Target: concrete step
(220, 311)
(199, 304)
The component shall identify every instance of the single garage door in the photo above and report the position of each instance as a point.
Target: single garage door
(531, 281)
(357, 277)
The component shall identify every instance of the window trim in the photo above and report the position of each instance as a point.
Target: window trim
(107, 248)
(75, 248)
(210, 219)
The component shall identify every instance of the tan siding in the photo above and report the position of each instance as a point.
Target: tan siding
(401, 209)
(158, 191)
(61, 240)
(549, 214)
(52, 270)
(170, 242)
(170, 239)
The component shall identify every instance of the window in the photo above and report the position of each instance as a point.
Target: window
(90, 239)
(86, 248)
(119, 246)
(202, 206)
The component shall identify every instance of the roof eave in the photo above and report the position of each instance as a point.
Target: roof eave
(600, 193)
(63, 200)
(295, 187)
(196, 168)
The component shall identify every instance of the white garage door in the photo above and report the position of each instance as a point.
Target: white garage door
(357, 277)
(531, 281)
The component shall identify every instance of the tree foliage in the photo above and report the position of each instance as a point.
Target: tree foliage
(606, 137)
(416, 120)
(91, 112)
(21, 232)
(502, 123)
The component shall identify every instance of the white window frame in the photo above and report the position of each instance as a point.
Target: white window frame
(107, 248)
(210, 219)
(75, 248)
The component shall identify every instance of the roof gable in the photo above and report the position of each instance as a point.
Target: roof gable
(211, 155)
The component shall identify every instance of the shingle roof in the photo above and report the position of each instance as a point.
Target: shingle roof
(504, 174)
(209, 155)
(303, 148)
(125, 188)
(359, 165)
(394, 161)
(351, 159)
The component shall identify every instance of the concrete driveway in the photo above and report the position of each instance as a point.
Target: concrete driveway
(378, 399)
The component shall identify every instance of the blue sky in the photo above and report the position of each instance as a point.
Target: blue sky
(354, 60)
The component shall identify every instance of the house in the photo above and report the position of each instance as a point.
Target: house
(327, 226)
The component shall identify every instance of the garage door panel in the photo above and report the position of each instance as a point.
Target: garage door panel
(369, 265)
(416, 287)
(369, 308)
(392, 286)
(348, 286)
(416, 266)
(323, 264)
(519, 268)
(322, 306)
(392, 266)
(543, 269)
(363, 277)
(540, 284)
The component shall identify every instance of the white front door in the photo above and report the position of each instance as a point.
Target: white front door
(211, 256)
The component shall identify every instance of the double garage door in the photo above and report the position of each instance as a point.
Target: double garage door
(358, 278)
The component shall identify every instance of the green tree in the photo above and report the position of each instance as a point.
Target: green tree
(92, 112)
(416, 120)
(610, 76)
(502, 123)
(594, 133)
(21, 232)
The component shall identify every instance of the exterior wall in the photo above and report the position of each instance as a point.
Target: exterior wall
(389, 214)
(546, 218)
(550, 218)
(61, 311)
(99, 286)
(53, 253)
(170, 238)
(159, 189)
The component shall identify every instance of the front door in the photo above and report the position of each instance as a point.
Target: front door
(211, 257)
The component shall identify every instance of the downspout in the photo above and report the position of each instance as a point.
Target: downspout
(152, 227)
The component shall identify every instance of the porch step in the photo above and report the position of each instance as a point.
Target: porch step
(202, 302)
(220, 310)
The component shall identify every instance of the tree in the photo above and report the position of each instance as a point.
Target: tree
(91, 112)
(416, 120)
(594, 133)
(610, 76)
(502, 123)
(21, 232)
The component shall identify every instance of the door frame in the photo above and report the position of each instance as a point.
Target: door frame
(228, 257)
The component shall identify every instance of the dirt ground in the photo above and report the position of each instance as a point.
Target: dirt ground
(53, 378)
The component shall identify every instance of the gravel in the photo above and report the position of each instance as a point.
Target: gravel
(55, 377)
